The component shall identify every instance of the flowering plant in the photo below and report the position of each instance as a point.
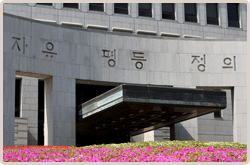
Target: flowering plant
(122, 154)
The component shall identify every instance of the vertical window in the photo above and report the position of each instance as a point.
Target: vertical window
(190, 12)
(145, 9)
(17, 97)
(40, 112)
(168, 11)
(47, 4)
(233, 14)
(71, 5)
(212, 13)
(121, 8)
(96, 6)
(217, 114)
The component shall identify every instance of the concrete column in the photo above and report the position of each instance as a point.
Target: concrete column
(243, 15)
(172, 132)
(186, 130)
(32, 4)
(29, 107)
(223, 15)
(240, 114)
(201, 9)
(59, 116)
(157, 11)
(180, 12)
(149, 136)
(8, 105)
(134, 10)
(84, 7)
(109, 8)
(58, 6)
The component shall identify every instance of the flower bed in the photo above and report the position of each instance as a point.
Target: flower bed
(121, 154)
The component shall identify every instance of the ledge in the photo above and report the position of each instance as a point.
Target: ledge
(122, 29)
(46, 20)
(170, 34)
(71, 24)
(90, 26)
(191, 36)
(212, 38)
(146, 32)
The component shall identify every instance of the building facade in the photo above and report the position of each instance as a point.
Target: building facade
(55, 53)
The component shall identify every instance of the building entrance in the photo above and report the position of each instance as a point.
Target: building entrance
(86, 92)
(129, 110)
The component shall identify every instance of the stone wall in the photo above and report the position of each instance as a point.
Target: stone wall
(21, 131)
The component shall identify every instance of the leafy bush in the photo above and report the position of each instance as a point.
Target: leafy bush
(178, 144)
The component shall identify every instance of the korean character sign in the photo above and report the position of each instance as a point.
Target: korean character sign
(229, 63)
(19, 44)
(111, 55)
(139, 58)
(49, 49)
(201, 61)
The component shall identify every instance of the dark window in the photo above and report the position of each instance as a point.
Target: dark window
(96, 6)
(47, 4)
(212, 13)
(40, 112)
(233, 15)
(190, 12)
(145, 9)
(121, 8)
(17, 97)
(217, 114)
(71, 5)
(168, 11)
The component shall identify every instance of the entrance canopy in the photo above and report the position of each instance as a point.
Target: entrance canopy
(135, 109)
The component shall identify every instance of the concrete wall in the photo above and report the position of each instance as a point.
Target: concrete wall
(217, 129)
(162, 134)
(137, 138)
(79, 55)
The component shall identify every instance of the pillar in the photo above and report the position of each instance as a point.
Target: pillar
(149, 136)
(59, 114)
(8, 105)
(29, 107)
(172, 132)
(240, 114)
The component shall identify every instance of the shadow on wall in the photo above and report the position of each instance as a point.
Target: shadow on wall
(31, 139)
(137, 138)
(181, 132)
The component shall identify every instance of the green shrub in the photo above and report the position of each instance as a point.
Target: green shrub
(178, 144)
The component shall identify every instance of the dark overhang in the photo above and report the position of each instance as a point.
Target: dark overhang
(135, 109)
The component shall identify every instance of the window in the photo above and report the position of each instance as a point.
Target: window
(96, 6)
(40, 112)
(233, 15)
(121, 8)
(168, 11)
(190, 12)
(71, 5)
(217, 114)
(17, 97)
(47, 4)
(145, 9)
(212, 13)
